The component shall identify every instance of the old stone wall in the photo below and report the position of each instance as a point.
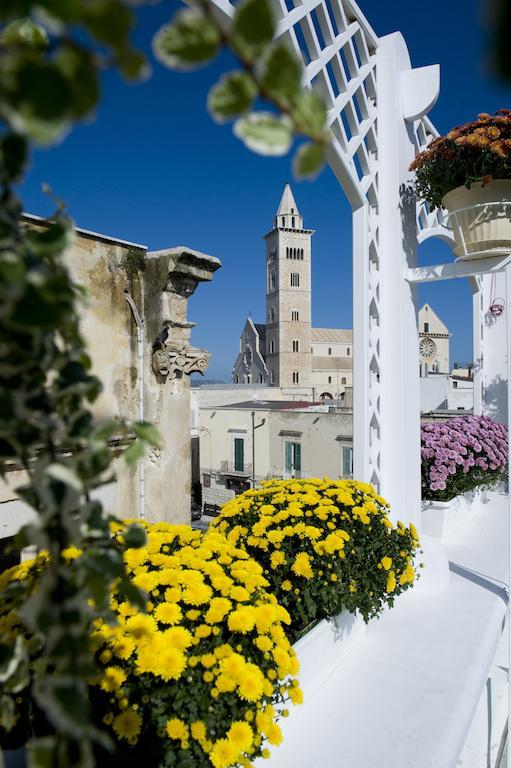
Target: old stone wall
(159, 285)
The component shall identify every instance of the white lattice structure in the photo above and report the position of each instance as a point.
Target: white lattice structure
(376, 106)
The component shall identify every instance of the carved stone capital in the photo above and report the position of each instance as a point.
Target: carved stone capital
(172, 362)
(181, 284)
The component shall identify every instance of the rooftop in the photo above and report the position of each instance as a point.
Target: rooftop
(331, 334)
(269, 405)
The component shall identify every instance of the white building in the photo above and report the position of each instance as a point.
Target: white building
(441, 392)
(286, 351)
(251, 441)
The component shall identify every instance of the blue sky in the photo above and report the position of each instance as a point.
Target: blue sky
(153, 168)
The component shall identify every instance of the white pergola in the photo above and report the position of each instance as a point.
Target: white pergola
(377, 111)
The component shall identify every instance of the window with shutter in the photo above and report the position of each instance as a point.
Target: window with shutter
(239, 454)
(347, 462)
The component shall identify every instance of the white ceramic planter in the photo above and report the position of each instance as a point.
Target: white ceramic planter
(480, 218)
(442, 519)
(322, 649)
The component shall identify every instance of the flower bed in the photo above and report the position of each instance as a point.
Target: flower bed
(462, 454)
(324, 545)
(200, 679)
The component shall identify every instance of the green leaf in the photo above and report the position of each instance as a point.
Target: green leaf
(309, 160)
(11, 658)
(7, 712)
(147, 432)
(231, 96)
(253, 27)
(13, 156)
(134, 537)
(309, 111)
(188, 41)
(78, 68)
(282, 73)
(265, 133)
(65, 475)
(134, 453)
(137, 597)
(50, 240)
(24, 32)
(42, 752)
(107, 430)
(64, 701)
(39, 100)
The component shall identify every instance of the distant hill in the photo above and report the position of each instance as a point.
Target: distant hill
(203, 382)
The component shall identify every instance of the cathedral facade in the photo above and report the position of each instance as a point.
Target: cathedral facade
(434, 341)
(286, 351)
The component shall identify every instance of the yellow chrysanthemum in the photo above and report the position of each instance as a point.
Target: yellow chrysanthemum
(123, 646)
(277, 558)
(168, 613)
(128, 725)
(241, 735)
(302, 565)
(223, 754)
(141, 626)
(170, 664)
(241, 620)
(274, 734)
(251, 686)
(225, 683)
(112, 679)
(177, 729)
(391, 582)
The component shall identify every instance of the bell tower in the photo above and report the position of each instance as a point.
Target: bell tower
(288, 297)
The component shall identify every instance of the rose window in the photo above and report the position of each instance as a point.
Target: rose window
(427, 349)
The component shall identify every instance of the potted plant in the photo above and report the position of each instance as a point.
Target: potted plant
(468, 172)
(460, 457)
(198, 680)
(333, 559)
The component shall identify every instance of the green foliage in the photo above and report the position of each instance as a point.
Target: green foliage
(232, 96)
(265, 133)
(270, 72)
(48, 80)
(188, 41)
(281, 73)
(253, 27)
(133, 262)
(309, 160)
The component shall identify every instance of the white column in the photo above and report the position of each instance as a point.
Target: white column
(361, 395)
(493, 348)
(477, 337)
(399, 96)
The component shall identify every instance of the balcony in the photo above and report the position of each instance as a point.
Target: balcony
(232, 469)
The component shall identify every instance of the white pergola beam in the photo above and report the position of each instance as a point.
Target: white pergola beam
(457, 269)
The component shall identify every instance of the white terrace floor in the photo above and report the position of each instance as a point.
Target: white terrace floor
(406, 694)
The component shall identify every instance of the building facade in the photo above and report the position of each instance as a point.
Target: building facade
(434, 340)
(286, 352)
(251, 441)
